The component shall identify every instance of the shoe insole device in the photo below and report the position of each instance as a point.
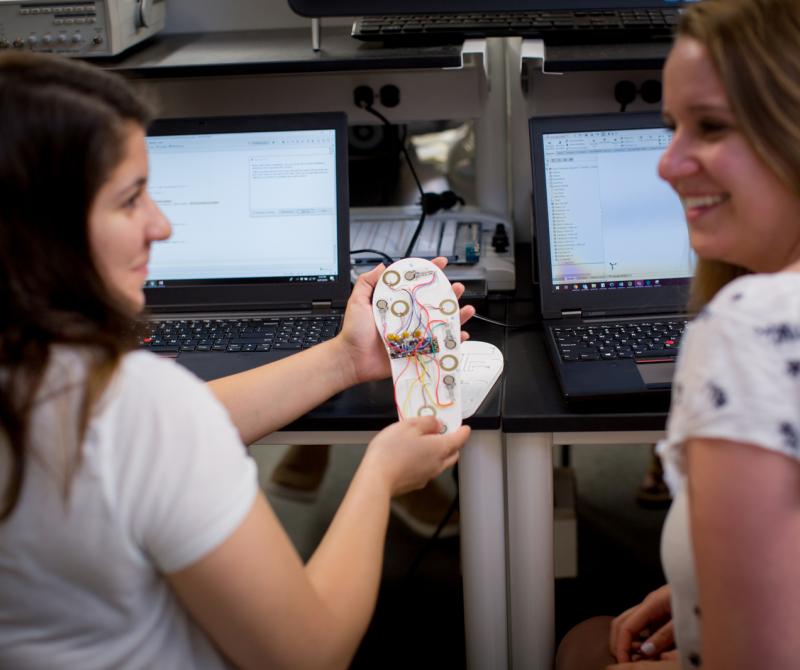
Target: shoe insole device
(417, 315)
(481, 367)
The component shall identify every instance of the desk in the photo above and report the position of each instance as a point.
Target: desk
(354, 416)
(535, 417)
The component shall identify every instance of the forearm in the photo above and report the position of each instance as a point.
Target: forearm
(745, 523)
(267, 398)
(346, 567)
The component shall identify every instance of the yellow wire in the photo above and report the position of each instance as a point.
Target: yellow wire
(419, 364)
(433, 399)
(408, 396)
(425, 389)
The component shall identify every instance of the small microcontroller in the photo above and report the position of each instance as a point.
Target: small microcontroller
(405, 345)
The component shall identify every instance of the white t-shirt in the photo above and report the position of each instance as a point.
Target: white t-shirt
(163, 479)
(737, 378)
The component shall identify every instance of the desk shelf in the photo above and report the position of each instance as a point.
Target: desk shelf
(286, 51)
(268, 71)
(558, 59)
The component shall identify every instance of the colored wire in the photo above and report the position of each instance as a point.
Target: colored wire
(415, 341)
(396, 384)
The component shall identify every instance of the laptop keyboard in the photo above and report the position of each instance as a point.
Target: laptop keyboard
(554, 27)
(641, 340)
(236, 335)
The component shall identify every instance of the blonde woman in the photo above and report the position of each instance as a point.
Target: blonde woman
(731, 542)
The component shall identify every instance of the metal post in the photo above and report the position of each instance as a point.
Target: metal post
(316, 34)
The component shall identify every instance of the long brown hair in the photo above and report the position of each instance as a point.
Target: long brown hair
(62, 131)
(755, 48)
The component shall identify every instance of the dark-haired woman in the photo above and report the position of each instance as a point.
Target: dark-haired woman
(132, 532)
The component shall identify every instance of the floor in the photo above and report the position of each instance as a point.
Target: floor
(419, 618)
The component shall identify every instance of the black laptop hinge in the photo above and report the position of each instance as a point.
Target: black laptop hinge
(571, 314)
(321, 306)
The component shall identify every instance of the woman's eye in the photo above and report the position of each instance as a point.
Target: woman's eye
(131, 202)
(711, 127)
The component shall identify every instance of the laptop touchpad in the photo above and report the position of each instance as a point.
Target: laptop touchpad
(656, 374)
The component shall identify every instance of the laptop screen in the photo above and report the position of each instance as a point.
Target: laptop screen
(612, 221)
(605, 221)
(249, 205)
(259, 212)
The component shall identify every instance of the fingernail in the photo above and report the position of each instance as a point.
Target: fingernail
(648, 648)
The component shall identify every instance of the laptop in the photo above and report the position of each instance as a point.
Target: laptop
(258, 265)
(613, 253)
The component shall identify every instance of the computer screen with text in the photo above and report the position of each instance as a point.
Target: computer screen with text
(247, 204)
(613, 222)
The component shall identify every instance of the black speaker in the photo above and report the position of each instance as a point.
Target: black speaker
(374, 164)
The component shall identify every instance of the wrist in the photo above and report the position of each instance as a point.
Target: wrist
(372, 470)
(345, 361)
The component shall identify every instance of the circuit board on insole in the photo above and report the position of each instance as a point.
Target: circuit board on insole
(417, 315)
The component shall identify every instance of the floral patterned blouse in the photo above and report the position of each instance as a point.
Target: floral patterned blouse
(737, 378)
